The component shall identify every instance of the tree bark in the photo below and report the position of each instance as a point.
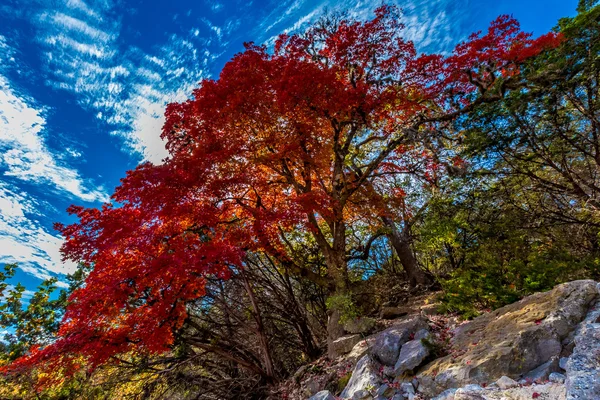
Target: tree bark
(260, 330)
(401, 243)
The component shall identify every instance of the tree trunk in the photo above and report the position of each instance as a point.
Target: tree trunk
(260, 330)
(401, 243)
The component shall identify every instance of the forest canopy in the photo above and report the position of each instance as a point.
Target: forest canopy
(308, 185)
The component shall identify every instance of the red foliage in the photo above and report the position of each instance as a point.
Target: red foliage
(254, 154)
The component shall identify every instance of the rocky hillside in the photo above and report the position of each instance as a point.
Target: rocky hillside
(546, 346)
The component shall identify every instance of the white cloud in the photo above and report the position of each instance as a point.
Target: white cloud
(124, 87)
(24, 153)
(23, 240)
(25, 156)
(428, 22)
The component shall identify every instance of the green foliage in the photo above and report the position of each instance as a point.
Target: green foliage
(343, 304)
(527, 214)
(32, 324)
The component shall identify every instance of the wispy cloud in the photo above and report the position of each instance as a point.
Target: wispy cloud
(125, 87)
(25, 157)
(428, 22)
(24, 153)
(24, 240)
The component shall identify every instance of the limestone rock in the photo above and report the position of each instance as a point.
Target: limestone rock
(343, 345)
(394, 312)
(469, 392)
(360, 349)
(430, 309)
(360, 325)
(323, 395)
(388, 342)
(412, 354)
(583, 367)
(364, 377)
(512, 340)
(447, 394)
(506, 383)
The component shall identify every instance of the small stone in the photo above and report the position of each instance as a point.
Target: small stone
(412, 354)
(430, 309)
(506, 383)
(343, 345)
(557, 377)
(362, 395)
(386, 391)
(469, 392)
(473, 388)
(407, 388)
(323, 395)
(542, 372)
(562, 363)
(446, 394)
(388, 372)
(394, 312)
(360, 325)
(422, 334)
(415, 383)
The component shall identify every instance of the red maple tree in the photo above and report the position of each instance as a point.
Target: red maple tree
(303, 139)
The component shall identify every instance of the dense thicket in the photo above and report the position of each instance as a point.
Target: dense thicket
(286, 209)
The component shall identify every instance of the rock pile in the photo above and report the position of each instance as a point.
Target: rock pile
(546, 346)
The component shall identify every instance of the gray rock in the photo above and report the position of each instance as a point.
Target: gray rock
(470, 392)
(446, 394)
(407, 388)
(415, 383)
(542, 372)
(323, 395)
(360, 325)
(388, 372)
(360, 349)
(512, 340)
(472, 388)
(388, 342)
(312, 386)
(412, 354)
(394, 312)
(362, 395)
(583, 367)
(430, 309)
(364, 378)
(422, 334)
(506, 383)
(386, 391)
(557, 377)
(343, 345)
(562, 362)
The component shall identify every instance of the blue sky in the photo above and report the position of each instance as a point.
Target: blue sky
(83, 86)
